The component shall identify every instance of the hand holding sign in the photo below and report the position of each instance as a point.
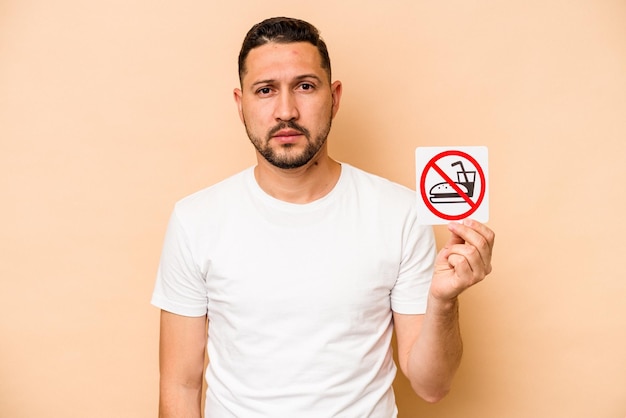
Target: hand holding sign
(464, 261)
(451, 184)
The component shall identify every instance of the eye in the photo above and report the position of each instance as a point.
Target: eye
(306, 86)
(264, 91)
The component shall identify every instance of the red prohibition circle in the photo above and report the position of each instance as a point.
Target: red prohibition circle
(473, 206)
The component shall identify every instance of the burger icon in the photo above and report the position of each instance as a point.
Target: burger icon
(445, 193)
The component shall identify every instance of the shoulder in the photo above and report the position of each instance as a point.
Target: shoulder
(217, 197)
(380, 188)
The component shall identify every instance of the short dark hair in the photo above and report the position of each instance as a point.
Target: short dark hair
(282, 30)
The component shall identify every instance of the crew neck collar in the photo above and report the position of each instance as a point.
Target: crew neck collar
(281, 204)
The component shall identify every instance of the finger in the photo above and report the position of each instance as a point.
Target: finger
(454, 239)
(474, 258)
(469, 255)
(455, 260)
(478, 236)
(470, 228)
(483, 230)
(463, 270)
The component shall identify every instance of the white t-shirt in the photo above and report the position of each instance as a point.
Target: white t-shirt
(299, 296)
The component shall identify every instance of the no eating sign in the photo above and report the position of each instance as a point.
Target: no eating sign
(451, 184)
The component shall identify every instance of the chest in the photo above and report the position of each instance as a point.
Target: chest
(262, 269)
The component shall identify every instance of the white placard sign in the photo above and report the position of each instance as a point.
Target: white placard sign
(452, 184)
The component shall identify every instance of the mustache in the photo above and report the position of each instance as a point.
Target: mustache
(289, 124)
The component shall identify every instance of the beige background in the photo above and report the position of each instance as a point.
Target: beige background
(110, 111)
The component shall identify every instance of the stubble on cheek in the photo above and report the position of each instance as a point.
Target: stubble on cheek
(285, 155)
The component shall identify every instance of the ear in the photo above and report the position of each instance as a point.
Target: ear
(336, 89)
(237, 95)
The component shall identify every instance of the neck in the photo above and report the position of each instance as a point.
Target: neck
(299, 185)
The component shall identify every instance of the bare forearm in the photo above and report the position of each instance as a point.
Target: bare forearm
(436, 355)
(181, 364)
(178, 401)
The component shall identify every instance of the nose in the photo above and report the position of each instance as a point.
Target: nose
(286, 107)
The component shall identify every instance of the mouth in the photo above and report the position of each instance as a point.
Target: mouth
(286, 135)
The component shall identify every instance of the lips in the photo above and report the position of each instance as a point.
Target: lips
(286, 135)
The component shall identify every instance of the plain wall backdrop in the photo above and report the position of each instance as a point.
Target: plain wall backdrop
(111, 111)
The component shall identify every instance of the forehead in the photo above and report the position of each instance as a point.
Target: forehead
(282, 60)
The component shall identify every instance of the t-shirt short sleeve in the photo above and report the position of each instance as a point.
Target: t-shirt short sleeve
(180, 285)
(410, 294)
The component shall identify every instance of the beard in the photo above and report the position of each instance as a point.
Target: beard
(287, 159)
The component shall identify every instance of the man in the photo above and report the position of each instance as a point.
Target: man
(301, 267)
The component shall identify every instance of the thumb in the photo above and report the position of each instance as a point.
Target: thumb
(454, 239)
(446, 251)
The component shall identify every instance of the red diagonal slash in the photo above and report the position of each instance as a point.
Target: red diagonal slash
(451, 182)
